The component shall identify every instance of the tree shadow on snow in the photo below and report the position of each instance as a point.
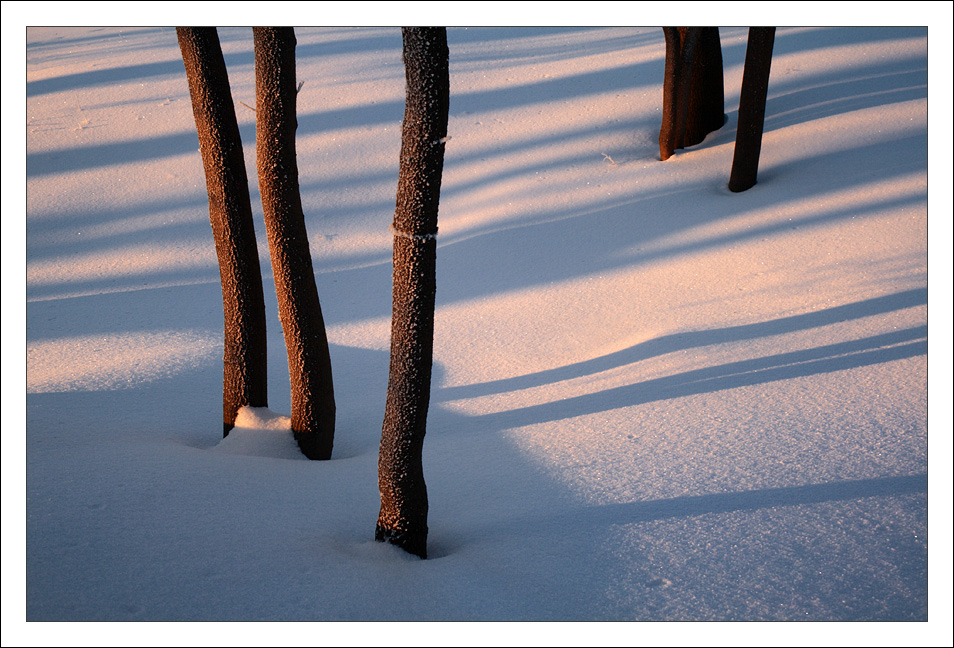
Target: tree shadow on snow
(688, 506)
(761, 370)
(877, 349)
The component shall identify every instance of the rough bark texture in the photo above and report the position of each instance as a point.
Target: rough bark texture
(230, 212)
(693, 94)
(403, 517)
(309, 361)
(755, 79)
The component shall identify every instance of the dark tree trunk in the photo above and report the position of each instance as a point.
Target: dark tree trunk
(403, 517)
(686, 77)
(667, 131)
(706, 112)
(309, 361)
(230, 212)
(755, 79)
(693, 95)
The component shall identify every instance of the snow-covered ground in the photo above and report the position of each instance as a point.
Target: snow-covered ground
(653, 399)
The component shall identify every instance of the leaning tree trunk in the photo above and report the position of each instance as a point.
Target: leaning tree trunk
(403, 517)
(693, 95)
(309, 361)
(755, 78)
(230, 212)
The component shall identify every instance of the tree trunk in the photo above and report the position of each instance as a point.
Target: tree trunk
(706, 112)
(667, 131)
(686, 78)
(403, 517)
(693, 95)
(245, 379)
(755, 78)
(309, 360)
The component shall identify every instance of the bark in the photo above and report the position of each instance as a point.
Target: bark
(689, 39)
(309, 360)
(667, 131)
(755, 79)
(230, 213)
(693, 95)
(706, 112)
(403, 517)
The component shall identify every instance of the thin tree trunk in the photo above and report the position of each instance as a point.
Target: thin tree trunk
(755, 79)
(245, 379)
(309, 360)
(403, 517)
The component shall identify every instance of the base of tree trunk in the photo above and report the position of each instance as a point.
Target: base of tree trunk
(314, 447)
(411, 542)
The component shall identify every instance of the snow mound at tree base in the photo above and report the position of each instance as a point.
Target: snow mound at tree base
(260, 432)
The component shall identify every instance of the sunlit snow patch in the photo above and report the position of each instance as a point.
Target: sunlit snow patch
(260, 432)
(116, 361)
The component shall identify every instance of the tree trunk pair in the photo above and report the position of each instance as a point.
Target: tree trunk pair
(693, 94)
(245, 379)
